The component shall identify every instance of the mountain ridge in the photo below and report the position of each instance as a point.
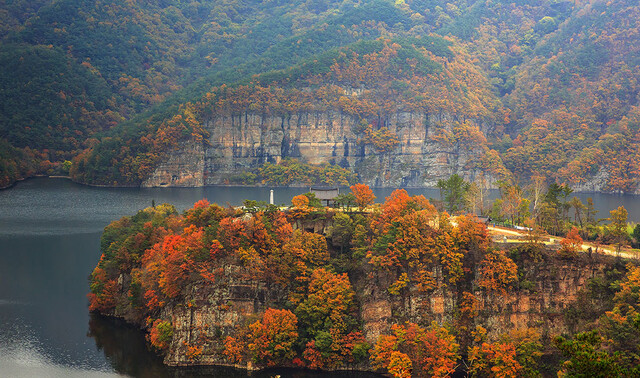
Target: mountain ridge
(561, 75)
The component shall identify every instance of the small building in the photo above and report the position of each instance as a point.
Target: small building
(325, 193)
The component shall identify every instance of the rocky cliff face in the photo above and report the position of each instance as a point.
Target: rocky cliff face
(599, 183)
(242, 142)
(553, 286)
(184, 167)
(209, 314)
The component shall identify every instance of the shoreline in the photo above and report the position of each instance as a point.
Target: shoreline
(248, 369)
(257, 186)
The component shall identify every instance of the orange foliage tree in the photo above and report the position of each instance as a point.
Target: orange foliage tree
(167, 267)
(300, 206)
(328, 315)
(494, 360)
(204, 214)
(161, 334)
(381, 140)
(409, 238)
(273, 337)
(269, 341)
(497, 272)
(301, 201)
(412, 350)
(364, 195)
(104, 292)
(293, 262)
(330, 301)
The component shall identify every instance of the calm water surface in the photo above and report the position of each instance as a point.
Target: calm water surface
(49, 243)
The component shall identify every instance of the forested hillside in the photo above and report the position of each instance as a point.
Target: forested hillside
(545, 87)
(398, 287)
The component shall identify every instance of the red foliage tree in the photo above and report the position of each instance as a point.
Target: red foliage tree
(572, 243)
(232, 234)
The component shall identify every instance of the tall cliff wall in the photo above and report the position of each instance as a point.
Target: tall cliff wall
(208, 314)
(554, 285)
(243, 142)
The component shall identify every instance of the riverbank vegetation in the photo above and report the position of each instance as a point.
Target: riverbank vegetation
(332, 286)
(291, 172)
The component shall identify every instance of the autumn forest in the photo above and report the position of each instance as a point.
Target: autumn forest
(104, 91)
(400, 287)
(508, 108)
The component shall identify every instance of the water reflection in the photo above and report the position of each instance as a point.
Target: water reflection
(126, 350)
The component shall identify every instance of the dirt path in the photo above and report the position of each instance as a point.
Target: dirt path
(554, 240)
(503, 230)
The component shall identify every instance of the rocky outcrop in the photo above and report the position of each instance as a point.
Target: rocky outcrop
(246, 141)
(242, 142)
(552, 287)
(595, 183)
(183, 167)
(208, 314)
(201, 306)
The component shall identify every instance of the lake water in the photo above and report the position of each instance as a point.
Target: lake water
(49, 243)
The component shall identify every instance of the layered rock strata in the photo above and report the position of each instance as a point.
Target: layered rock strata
(208, 314)
(243, 142)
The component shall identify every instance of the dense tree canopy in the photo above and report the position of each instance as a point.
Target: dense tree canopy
(313, 289)
(553, 82)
